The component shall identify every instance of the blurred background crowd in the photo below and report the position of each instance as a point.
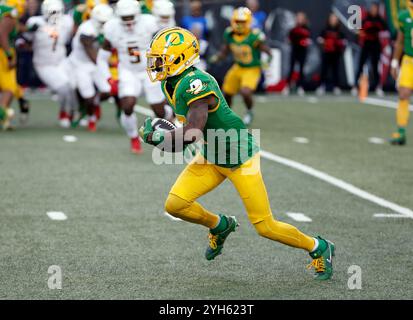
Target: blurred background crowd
(314, 49)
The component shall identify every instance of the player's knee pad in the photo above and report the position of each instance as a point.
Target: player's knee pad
(267, 228)
(175, 205)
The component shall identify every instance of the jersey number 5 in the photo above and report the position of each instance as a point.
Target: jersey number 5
(135, 55)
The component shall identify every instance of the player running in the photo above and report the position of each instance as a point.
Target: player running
(49, 34)
(8, 80)
(405, 76)
(83, 60)
(200, 105)
(130, 33)
(246, 45)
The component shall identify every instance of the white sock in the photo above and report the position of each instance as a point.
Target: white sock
(92, 118)
(315, 245)
(168, 112)
(129, 123)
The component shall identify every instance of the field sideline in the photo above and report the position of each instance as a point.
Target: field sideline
(116, 242)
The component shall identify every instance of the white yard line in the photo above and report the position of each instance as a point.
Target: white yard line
(301, 140)
(56, 215)
(376, 140)
(388, 215)
(69, 138)
(338, 183)
(383, 103)
(406, 212)
(301, 217)
(171, 217)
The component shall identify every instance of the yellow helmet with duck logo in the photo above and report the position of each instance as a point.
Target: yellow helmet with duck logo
(241, 20)
(172, 51)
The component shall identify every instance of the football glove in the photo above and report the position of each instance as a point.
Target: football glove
(147, 130)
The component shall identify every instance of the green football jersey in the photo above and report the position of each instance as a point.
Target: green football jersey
(245, 48)
(406, 27)
(228, 143)
(11, 12)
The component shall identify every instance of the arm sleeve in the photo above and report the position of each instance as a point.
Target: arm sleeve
(102, 61)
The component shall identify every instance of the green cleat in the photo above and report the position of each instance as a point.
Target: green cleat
(323, 259)
(216, 241)
(399, 138)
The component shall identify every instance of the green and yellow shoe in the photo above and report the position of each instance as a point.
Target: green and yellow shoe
(217, 239)
(399, 138)
(323, 259)
(6, 115)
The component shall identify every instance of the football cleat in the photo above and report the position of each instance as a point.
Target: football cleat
(323, 260)
(249, 116)
(6, 115)
(216, 241)
(24, 111)
(91, 127)
(135, 145)
(64, 119)
(398, 139)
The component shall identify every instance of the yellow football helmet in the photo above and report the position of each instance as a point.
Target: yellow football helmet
(172, 51)
(241, 20)
(19, 5)
(90, 4)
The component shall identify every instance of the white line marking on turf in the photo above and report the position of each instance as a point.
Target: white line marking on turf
(389, 215)
(301, 140)
(69, 138)
(383, 103)
(299, 217)
(322, 176)
(56, 215)
(376, 140)
(338, 183)
(144, 111)
(171, 217)
(312, 100)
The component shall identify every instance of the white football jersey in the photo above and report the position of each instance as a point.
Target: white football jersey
(78, 54)
(131, 45)
(49, 40)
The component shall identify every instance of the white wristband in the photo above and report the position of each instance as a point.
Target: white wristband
(394, 63)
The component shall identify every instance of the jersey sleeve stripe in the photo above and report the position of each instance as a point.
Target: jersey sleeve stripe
(201, 96)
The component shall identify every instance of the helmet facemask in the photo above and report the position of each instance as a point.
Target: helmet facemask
(240, 26)
(128, 22)
(53, 16)
(157, 66)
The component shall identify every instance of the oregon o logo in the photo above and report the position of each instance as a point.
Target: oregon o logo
(177, 38)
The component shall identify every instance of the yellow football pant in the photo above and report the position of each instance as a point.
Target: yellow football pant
(402, 113)
(241, 77)
(200, 177)
(8, 78)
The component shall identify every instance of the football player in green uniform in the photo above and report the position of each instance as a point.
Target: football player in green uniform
(8, 80)
(246, 45)
(404, 78)
(229, 151)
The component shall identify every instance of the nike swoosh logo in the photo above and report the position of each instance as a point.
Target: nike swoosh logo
(329, 260)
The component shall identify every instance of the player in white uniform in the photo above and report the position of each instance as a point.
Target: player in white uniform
(130, 33)
(164, 12)
(49, 34)
(83, 57)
